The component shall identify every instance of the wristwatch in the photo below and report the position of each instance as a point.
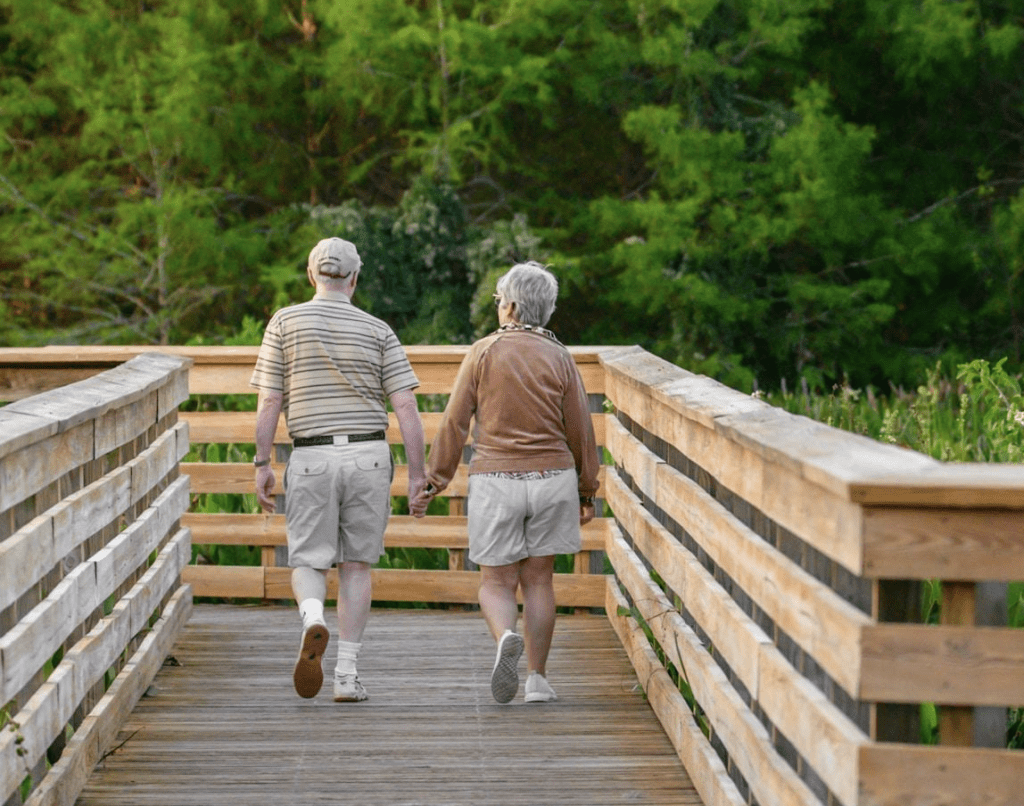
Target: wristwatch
(261, 463)
(586, 500)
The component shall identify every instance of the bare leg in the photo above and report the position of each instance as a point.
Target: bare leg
(538, 610)
(355, 592)
(497, 597)
(309, 583)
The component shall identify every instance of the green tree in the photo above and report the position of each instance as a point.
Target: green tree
(120, 213)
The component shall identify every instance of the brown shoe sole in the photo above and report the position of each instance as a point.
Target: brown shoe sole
(309, 673)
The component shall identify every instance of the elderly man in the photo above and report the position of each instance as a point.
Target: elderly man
(331, 367)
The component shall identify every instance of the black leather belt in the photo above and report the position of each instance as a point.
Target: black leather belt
(339, 439)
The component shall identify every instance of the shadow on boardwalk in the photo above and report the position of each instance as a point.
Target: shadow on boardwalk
(225, 727)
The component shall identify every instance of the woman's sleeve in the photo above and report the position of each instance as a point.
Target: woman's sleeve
(446, 452)
(579, 431)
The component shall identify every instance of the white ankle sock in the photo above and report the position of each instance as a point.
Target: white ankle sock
(348, 654)
(311, 610)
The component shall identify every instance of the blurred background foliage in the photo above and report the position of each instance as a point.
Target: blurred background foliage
(807, 191)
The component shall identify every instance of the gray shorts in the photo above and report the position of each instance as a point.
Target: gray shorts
(337, 503)
(512, 519)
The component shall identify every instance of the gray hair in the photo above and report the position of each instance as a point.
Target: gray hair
(533, 289)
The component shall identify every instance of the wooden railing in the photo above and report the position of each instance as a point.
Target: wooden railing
(788, 558)
(91, 554)
(766, 578)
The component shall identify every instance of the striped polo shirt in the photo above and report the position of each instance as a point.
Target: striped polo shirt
(334, 364)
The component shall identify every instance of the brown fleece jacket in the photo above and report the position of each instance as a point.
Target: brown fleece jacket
(530, 409)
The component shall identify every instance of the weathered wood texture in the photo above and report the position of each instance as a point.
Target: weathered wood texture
(765, 569)
(91, 554)
(223, 725)
(220, 371)
(764, 556)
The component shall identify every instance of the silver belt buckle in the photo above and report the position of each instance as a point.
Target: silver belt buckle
(341, 439)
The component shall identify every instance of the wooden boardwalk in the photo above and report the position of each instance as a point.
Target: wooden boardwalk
(221, 724)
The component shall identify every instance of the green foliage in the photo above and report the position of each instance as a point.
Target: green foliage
(813, 191)
(416, 273)
(974, 415)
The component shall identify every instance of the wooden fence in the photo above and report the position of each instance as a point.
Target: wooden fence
(777, 563)
(766, 578)
(91, 554)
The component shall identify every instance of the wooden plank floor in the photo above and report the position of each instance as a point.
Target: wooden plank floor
(226, 727)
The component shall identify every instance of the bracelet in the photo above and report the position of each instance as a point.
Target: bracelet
(262, 463)
(586, 500)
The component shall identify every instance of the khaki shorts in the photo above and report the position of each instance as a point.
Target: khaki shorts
(337, 503)
(512, 519)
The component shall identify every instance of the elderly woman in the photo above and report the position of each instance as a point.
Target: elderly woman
(533, 474)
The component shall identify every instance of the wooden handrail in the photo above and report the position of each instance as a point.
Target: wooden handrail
(766, 578)
(91, 555)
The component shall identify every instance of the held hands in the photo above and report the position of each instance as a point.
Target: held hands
(420, 500)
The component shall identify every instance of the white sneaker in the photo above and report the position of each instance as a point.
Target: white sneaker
(505, 675)
(308, 675)
(538, 689)
(347, 688)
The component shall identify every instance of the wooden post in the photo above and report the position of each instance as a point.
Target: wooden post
(956, 722)
(897, 600)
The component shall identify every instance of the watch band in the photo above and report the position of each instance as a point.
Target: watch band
(261, 463)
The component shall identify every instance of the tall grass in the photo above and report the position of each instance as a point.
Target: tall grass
(975, 416)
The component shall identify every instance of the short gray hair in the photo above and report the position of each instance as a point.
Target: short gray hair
(533, 289)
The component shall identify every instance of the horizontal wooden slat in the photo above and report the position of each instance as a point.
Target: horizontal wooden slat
(226, 581)
(432, 531)
(31, 552)
(239, 427)
(20, 382)
(905, 775)
(31, 469)
(819, 731)
(39, 634)
(98, 732)
(240, 478)
(50, 709)
(932, 543)
(818, 515)
(389, 585)
(770, 778)
(943, 664)
(818, 619)
(34, 550)
(709, 774)
(974, 486)
(95, 397)
(718, 615)
(227, 370)
(671, 403)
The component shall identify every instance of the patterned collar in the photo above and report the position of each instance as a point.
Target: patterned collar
(515, 326)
